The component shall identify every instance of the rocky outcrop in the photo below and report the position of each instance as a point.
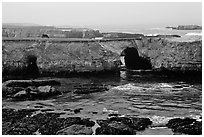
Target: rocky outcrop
(32, 93)
(63, 57)
(122, 125)
(187, 27)
(29, 89)
(59, 57)
(26, 83)
(177, 54)
(186, 126)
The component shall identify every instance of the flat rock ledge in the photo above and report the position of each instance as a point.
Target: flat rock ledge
(29, 89)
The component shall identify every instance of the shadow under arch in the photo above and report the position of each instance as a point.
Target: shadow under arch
(32, 68)
(132, 60)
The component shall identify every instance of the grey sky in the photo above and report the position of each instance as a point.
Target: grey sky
(99, 14)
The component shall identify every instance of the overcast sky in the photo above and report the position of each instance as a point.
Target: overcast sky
(99, 14)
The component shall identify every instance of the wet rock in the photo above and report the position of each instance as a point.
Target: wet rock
(29, 89)
(122, 125)
(136, 123)
(76, 130)
(9, 91)
(115, 128)
(47, 90)
(87, 122)
(14, 123)
(186, 126)
(26, 83)
(54, 124)
(44, 89)
(32, 93)
(22, 122)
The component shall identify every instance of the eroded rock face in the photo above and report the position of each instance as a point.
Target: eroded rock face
(122, 125)
(64, 57)
(186, 126)
(177, 54)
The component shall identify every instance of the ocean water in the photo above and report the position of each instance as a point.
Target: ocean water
(133, 93)
(149, 30)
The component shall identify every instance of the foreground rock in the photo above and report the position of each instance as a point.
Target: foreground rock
(23, 122)
(122, 125)
(76, 130)
(186, 126)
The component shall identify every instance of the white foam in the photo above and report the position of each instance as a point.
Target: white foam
(160, 120)
(127, 87)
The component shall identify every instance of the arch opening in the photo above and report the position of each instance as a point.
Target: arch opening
(131, 60)
(32, 68)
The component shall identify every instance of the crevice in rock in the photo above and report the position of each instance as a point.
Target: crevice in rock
(32, 68)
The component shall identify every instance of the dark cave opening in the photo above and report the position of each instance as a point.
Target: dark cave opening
(132, 59)
(32, 68)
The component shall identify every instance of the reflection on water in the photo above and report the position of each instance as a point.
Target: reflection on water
(133, 93)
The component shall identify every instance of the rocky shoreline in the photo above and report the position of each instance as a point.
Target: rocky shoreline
(41, 121)
(38, 122)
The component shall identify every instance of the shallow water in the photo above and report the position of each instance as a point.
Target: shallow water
(131, 93)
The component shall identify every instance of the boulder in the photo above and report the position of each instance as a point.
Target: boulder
(122, 125)
(47, 91)
(115, 128)
(44, 90)
(76, 130)
(10, 88)
(32, 93)
(8, 91)
(186, 126)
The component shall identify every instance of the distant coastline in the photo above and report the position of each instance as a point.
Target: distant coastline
(186, 27)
